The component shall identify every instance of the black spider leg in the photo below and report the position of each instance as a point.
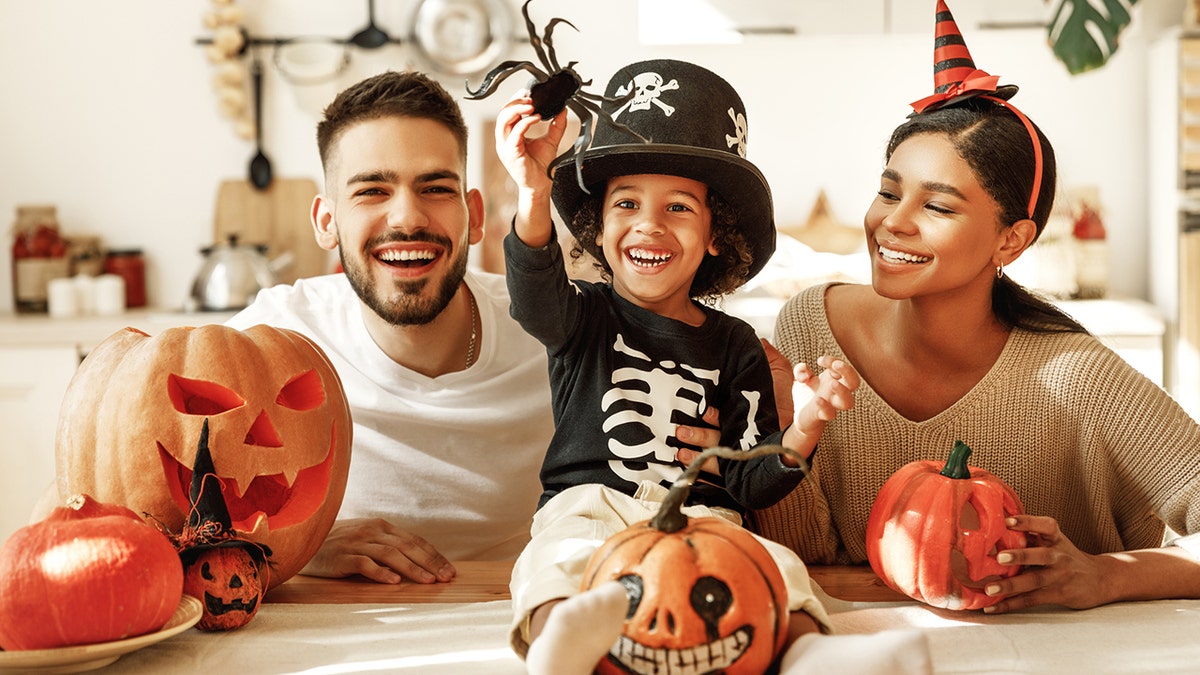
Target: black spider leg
(583, 100)
(501, 73)
(549, 60)
(586, 112)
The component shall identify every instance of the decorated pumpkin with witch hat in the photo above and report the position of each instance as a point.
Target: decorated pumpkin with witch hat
(279, 430)
(228, 573)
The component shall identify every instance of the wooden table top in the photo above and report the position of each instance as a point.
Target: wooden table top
(486, 581)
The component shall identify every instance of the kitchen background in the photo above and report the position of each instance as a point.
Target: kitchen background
(110, 113)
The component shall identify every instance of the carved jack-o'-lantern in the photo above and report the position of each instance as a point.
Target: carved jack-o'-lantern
(280, 431)
(703, 591)
(935, 529)
(228, 579)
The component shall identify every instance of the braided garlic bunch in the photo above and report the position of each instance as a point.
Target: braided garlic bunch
(225, 53)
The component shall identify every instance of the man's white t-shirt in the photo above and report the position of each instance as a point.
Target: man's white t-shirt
(454, 459)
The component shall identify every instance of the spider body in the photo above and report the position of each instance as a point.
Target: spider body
(551, 95)
(555, 87)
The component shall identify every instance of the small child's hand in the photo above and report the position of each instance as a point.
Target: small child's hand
(818, 398)
(526, 158)
(831, 391)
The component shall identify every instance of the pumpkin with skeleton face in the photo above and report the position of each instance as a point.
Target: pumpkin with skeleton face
(279, 423)
(704, 595)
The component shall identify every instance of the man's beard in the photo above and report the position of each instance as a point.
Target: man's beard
(403, 304)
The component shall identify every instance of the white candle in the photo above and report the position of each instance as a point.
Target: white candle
(60, 297)
(110, 294)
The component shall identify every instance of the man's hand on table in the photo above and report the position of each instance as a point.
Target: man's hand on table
(379, 551)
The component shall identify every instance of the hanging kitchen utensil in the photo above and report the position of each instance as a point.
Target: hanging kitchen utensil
(461, 37)
(371, 37)
(260, 166)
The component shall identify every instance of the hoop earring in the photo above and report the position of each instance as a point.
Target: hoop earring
(999, 271)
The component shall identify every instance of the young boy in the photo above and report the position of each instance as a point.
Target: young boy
(679, 218)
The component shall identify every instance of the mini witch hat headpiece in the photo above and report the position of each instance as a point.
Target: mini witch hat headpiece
(208, 523)
(956, 79)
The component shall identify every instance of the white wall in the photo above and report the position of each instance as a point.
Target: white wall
(107, 111)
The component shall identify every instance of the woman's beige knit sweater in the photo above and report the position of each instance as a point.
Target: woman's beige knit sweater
(1077, 432)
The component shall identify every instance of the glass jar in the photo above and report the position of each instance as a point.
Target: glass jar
(130, 266)
(39, 254)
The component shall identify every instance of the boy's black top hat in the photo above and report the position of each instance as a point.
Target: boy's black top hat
(695, 124)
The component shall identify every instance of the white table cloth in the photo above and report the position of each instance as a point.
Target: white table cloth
(462, 639)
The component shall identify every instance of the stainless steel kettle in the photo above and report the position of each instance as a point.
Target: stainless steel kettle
(231, 276)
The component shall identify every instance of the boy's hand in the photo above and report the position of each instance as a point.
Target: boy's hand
(818, 398)
(527, 159)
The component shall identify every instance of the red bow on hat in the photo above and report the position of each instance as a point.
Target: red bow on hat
(975, 83)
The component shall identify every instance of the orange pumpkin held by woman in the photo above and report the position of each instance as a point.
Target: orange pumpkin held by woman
(703, 591)
(279, 425)
(935, 529)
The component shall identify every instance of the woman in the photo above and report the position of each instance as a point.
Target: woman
(949, 348)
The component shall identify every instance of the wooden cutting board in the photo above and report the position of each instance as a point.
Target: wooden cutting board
(278, 218)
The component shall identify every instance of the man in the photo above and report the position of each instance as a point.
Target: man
(450, 398)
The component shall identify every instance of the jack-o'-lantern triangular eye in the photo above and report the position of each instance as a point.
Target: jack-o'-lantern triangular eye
(201, 397)
(303, 392)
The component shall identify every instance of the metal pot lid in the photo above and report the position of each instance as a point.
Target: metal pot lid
(461, 37)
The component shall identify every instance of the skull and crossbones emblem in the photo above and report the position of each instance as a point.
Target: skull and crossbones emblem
(739, 125)
(646, 88)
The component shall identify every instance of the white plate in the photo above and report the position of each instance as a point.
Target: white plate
(79, 658)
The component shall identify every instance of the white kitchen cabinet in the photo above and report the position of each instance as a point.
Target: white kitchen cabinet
(32, 382)
(38, 357)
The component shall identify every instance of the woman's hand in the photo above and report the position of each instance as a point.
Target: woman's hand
(1057, 573)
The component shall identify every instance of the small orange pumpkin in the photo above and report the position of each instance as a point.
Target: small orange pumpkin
(703, 591)
(935, 529)
(229, 578)
(89, 572)
(280, 425)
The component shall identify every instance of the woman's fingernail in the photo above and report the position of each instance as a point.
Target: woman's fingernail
(1010, 522)
(1004, 558)
(683, 433)
(990, 609)
(992, 589)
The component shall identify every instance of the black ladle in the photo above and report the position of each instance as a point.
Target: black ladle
(371, 37)
(260, 166)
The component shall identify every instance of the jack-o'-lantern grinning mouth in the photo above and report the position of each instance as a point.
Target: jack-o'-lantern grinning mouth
(269, 496)
(217, 606)
(714, 657)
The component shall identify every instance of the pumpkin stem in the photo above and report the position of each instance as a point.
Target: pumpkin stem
(956, 465)
(670, 517)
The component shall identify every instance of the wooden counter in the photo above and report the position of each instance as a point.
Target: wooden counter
(485, 581)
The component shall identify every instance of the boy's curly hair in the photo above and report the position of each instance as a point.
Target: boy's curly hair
(717, 275)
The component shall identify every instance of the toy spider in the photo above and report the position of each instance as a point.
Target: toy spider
(554, 90)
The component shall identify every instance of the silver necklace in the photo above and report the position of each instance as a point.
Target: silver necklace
(474, 331)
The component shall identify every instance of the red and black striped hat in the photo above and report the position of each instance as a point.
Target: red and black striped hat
(956, 79)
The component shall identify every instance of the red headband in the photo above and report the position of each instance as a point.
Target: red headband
(955, 79)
